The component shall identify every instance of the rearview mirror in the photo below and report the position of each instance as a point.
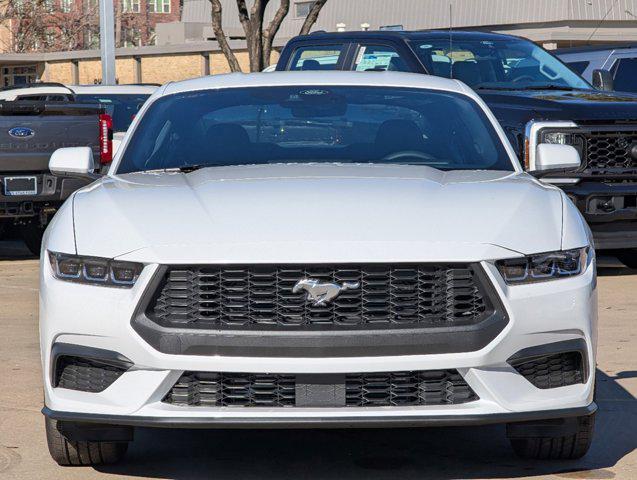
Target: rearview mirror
(551, 158)
(72, 162)
(603, 80)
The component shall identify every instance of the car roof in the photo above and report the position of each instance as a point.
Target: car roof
(594, 48)
(114, 89)
(323, 78)
(410, 34)
(13, 93)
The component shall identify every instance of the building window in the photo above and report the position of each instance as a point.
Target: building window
(159, 6)
(20, 75)
(302, 9)
(131, 6)
(131, 37)
(67, 5)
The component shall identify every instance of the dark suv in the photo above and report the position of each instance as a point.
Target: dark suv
(536, 98)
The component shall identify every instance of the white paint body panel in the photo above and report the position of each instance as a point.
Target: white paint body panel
(316, 213)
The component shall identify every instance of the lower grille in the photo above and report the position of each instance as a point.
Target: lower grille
(552, 371)
(433, 387)
(85, 375)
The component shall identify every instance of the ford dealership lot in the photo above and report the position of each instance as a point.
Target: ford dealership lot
(412, 453)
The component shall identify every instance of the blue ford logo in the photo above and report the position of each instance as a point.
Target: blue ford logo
(21, 132)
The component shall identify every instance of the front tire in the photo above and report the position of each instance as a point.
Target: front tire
(628, 258)
(569, 447)
(66, 452)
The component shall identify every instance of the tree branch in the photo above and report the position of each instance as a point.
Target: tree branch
(312, 16)
(217, 27)
(272, 29)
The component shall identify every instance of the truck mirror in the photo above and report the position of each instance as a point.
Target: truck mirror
(72, 162)
(603, 80)
(551, 158)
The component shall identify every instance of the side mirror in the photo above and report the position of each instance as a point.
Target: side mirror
(73, 162)
(551, 158)
(603, 80)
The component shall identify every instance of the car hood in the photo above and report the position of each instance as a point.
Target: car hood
(317, 213)
(577, 105)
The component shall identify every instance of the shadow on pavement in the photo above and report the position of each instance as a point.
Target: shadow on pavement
(441, 453)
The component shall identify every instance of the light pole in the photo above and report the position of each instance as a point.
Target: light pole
(107, 41)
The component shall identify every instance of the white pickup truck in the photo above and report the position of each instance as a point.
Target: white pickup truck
(315, 250)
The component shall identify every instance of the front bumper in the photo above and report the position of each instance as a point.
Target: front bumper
(98, 317)
(610, 209)
(386, 421)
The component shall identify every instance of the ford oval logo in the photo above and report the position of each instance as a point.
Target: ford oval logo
(21, 132)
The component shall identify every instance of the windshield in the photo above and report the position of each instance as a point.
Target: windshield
(122, 107)
(304, 124)
(500, 64)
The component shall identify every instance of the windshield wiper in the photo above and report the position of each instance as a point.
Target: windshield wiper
(190, 168)
(548, 87)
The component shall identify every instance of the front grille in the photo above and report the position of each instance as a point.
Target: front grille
(552, 371)
(261, 296)
(85, 375)
(433, 387)
(610, 152)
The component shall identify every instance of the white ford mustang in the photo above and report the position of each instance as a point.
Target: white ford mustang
(317, 249)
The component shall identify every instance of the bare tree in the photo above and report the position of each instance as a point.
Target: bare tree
(259, 39)
(40, 25)
(311, 18)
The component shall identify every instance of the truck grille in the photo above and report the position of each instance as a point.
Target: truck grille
(262, 296)
(610, 151)
(433, 387)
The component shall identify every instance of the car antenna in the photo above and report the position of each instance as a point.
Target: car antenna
(451, 39)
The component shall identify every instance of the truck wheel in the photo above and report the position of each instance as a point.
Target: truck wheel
(628, 258)
(67, 452)
(569, 447)
(32, 234)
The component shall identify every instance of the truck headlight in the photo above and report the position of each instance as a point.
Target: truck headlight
(557, 138)
(543, 267)
(94, 270)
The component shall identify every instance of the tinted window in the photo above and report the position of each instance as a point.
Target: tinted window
(378, 58)
(578, 67)
(240, 126)
(625, 75)
(510, 64)
(316, 58)
(122, 107)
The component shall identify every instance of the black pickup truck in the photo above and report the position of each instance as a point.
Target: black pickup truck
(536, 98)
(30, 131)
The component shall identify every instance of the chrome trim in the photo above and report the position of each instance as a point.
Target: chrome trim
(531, 134)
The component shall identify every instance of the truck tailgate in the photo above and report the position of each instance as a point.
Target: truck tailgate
(28, 138)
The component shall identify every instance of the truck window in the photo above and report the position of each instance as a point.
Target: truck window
(122, 107)
(578, 67)
(625, 75)
(324, 57)
(379, 58)
(502, 64)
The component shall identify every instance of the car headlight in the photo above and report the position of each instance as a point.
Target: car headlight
(543, 267)
(94, 270)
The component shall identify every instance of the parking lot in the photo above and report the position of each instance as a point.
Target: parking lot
(443, 453)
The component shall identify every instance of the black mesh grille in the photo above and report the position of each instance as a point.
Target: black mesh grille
(435, 387)
(552, 371)
(387, 295)
(610, 151)
(84, 374)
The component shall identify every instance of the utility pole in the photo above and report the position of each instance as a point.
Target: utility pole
(107, 41)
